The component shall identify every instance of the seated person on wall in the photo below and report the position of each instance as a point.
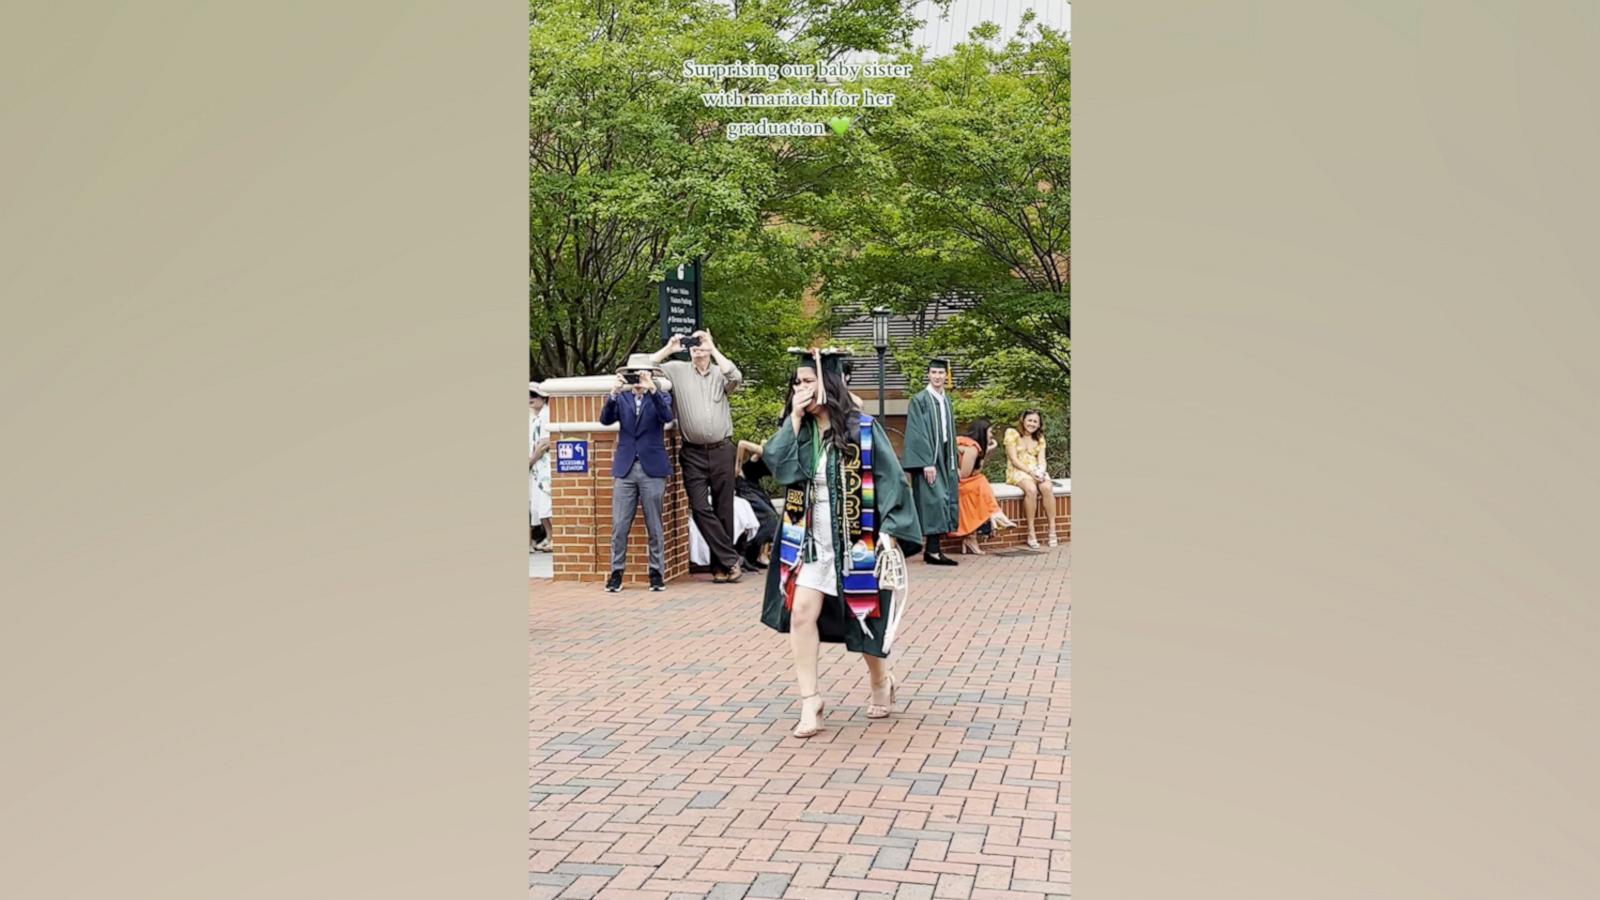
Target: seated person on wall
(1025, 468)
(757, 550)
(977, 498)
(640, 466)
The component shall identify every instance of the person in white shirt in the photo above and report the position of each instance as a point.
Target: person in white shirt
(539, 504)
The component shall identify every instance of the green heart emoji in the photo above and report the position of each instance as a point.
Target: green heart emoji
(839, 124)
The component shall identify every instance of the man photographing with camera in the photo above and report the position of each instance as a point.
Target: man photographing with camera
(700, 389)
(639, 467)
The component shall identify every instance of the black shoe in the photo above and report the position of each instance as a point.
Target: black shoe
(614, 582)
(940, 560)
(657, 583)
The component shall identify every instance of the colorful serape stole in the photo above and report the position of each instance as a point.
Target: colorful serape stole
(860, 569)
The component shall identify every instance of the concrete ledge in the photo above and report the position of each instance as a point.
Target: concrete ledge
(1063, 488)
(586, 427)
(588, 385)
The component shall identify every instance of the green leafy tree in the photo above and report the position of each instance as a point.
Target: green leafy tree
(963, 187)
(630, 172)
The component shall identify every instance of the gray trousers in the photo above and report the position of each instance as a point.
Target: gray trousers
(627, 493)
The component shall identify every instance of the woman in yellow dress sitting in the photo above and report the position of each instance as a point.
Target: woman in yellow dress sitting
(1025, 468)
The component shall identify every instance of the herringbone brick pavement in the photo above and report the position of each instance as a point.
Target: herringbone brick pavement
(661, 766)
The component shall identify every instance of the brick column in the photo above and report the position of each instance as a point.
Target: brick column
(581, 503)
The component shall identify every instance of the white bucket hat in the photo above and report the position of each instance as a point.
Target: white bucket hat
(640, 362)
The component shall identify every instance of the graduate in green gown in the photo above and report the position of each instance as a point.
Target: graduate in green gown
(930, 458)
(845, 500)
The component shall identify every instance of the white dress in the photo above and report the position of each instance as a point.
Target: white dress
(820, 574)
(539, 503)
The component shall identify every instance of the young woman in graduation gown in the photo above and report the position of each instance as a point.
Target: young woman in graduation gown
(845, 498)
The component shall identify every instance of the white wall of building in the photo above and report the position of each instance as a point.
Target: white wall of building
(940, 33)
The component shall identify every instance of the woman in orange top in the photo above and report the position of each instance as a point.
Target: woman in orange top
(976, 498)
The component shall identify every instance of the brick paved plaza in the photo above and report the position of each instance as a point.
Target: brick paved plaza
(661, 766)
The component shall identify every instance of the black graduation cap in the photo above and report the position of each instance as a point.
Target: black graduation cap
(940, 362)
(832, 359)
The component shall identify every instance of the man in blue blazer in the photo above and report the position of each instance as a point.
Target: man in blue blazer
(639, 469)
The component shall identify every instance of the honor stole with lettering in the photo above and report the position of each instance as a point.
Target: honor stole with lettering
(849, 489)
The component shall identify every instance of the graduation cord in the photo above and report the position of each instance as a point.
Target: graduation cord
(808, 552)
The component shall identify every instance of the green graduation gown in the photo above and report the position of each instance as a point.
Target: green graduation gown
(789, 457)
(938, 504)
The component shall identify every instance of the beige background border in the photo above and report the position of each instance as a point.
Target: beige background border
(1337, 456)
(263, 270)
(262, 299)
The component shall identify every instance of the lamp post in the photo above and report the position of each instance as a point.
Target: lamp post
(880, 342)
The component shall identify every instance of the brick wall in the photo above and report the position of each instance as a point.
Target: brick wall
(582, 506)
(1018, 537)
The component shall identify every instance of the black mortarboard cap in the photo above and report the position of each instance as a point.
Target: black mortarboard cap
(832, 359)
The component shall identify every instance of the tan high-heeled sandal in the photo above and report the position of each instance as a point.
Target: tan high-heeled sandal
(805, 733)
(874, 711)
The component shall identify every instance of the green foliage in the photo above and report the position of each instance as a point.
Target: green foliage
(963, 186)
(755, 414)
(625, 173)
(751, 306)
(630, 172)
